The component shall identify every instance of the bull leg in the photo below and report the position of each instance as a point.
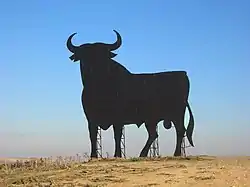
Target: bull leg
(93, 139)
(180, 131)
(152, 135)
(117, 137)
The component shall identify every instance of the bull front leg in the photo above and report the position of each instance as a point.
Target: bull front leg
(93, 139)
(117, 136)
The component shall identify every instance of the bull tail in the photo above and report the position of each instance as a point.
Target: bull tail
(190, 127)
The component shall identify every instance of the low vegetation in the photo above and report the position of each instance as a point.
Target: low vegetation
(139, 172)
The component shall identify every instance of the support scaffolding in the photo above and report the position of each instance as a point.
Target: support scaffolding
(99, 148)
(123, 146)
(99, 142)
(153, 151)
(154, 148)
(184, 146)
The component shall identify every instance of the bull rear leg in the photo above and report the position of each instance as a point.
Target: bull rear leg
(93, 139)
(152, 135)
(180, 131)
(117, 136)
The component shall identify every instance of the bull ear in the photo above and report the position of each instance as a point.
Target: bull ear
(112, 55)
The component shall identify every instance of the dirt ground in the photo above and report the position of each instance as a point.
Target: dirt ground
(195, 171)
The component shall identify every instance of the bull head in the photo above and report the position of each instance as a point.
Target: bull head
(93, 51)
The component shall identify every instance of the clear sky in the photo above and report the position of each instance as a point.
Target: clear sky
(40, 108)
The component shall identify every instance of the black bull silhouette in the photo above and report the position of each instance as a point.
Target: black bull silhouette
(112, 95)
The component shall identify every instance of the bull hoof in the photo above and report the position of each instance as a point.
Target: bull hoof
(177, 154)
(93, 156)
(143, 155)
(117, 156)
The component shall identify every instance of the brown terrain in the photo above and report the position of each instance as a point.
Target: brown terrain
(134, 172)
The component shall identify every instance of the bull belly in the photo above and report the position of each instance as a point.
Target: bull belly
(137, 112)
(119, 115)
(106, 118)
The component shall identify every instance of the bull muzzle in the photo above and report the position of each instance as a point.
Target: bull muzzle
(73, 58)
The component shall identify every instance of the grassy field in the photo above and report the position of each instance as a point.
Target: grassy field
(192, 171)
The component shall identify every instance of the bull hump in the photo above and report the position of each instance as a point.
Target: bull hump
(178, 72)
(165, 73)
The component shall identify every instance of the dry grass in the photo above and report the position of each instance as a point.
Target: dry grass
(168, 171)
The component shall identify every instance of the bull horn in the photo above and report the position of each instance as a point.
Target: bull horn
(70, 46)
(117, 44)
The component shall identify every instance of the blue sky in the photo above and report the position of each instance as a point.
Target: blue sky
(40, 110)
